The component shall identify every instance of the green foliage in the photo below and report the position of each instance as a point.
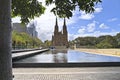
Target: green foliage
(27, 9)
(37, 42)
(105, 41)
(47, 43)
(117, 37)
(108, 42)
(85, 41)
(24, 39)
(104, 44)
(101, 38)
(64, 8)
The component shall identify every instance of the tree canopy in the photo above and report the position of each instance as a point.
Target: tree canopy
(25, 39)
(27, 9)
(64, 8)
(106, 41)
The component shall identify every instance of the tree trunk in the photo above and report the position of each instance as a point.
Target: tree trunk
(5, 40)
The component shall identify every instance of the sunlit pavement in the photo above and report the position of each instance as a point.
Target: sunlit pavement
(81, 73)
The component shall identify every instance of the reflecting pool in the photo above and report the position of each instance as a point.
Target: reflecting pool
(68, 56)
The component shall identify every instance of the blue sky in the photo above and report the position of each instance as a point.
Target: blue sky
(104, 21)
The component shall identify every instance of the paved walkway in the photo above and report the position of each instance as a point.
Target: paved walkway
(88, 73)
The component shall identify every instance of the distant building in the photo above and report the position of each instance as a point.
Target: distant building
(60, 38)
(19, 27)
(31, 29)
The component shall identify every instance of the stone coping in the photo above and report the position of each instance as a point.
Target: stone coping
(89, 64)
(24, 50)
(22, 55)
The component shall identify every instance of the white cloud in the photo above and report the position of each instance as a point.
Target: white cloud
(98, 9)
(112, 20)
(85, 16)
(81, 30)
(98, 33)
(103, 26)
(71, 36)
(45, 24)
(89, 16)
(91, 26)
(88, 28)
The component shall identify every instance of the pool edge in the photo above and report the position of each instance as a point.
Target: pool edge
(90, 64)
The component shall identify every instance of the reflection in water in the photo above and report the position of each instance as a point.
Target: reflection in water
(68, 56)
(59, 56)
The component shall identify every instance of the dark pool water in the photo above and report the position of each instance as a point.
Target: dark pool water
(68, 56)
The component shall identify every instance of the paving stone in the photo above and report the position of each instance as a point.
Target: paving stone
(95, 73)
(90, 76)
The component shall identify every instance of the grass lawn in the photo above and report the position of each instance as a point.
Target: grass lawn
(111, 52)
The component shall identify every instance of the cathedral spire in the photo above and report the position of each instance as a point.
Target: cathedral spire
(60, 38)
(64, 22)
(56, 26)
(56, 22)
(64, 27)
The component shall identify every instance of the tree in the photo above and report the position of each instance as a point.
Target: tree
(47, 43)
(117, 37)
(87, 42)
(25, 39)
(64, 8)
(108, 42)
(26, 9)
(5, 40)
(104, 44)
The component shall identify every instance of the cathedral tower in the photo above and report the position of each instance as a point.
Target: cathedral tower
(56, 26)
(60, 38)
(64, 27)
(65, 34)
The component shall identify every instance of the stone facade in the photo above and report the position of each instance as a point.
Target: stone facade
(60, 38)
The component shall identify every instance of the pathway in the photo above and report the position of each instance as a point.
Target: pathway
(87, 73)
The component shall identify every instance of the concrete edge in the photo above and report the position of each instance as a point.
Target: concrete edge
(24, 50)
(26, 56)
(52, 65)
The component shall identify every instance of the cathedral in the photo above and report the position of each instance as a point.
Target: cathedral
(60, 38)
